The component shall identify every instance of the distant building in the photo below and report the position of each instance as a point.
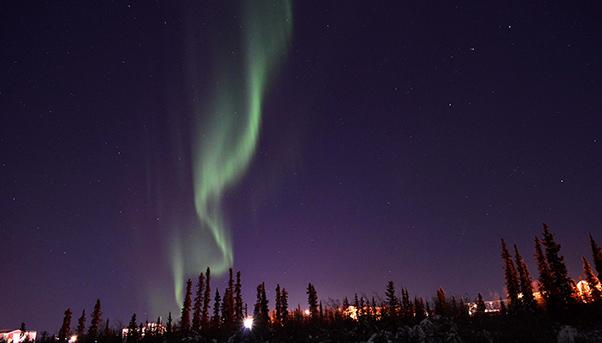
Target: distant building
(491, 306)
(17, 336)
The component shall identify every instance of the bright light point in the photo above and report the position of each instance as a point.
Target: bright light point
(306, 312)
(248, 323)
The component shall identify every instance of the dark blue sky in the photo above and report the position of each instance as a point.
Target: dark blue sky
(399, 141)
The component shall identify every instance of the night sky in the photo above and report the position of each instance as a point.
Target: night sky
(398, 141)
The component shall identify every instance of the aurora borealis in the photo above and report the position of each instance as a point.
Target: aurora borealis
(339, 143)
(227, 134)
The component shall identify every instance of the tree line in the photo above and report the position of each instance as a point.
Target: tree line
(555, 291)
(209, 314)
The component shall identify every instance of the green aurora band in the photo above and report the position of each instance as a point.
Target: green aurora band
(226, 137)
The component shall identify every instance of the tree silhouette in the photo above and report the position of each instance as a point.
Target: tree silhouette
(453, 310)
(480, 311)
(284, 306)
(169, 324)
(592, 281)
(107, 330)
(238, 303)
(406, 304)
(511, 277)
(562, 290)
(463, 313)
(81, 325)
(527, 300)
(312, 300)
(503, 309)
(206, 300)
(225, 316)
(392, 300)
(264, 315)
(441, 305)
(419, 309)
(186, 308)
(228, 303)
(373, 305)
(278, 305)
(95, 321)
(216, 320)
(345, 304)
(66, 326)
(545, 276)
(596, 255)
(198, 304)
(132, 329)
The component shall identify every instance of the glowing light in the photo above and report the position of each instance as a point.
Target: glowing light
(157, 328)
(226, 133)
(584, 291)
(17, 336)
(73, 339)
(248, 323)
(306, 312)
(351, 312)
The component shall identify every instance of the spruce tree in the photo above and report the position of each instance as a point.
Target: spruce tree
(65, 329)
(406, 304)
(169, 324)
(258, 317)
(312, 300)
(228, 302)
(278, 305)
(95, 321)
(81, 325)
(453, 307)
(463, 310)
(186, 308)
(420, 310)
(562, 284)
(206, 300)
(284, 306)
(592, 281)
(265, 311)
(392, 300)
(133, 329)
(527, 300)
(441, 305)
(502, 306)
(216, 320)
(238, 303)
(107, 330)
(198, 304)
(511, 277)
(596, 255)
(224, 309)
(345, 304)
(546, 286)
(480, 305)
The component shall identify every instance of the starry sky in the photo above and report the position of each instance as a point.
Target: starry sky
(398, 141)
